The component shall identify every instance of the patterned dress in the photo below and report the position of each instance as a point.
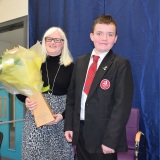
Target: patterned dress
(47, 142)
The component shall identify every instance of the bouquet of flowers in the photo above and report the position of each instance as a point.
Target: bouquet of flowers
(20, 74)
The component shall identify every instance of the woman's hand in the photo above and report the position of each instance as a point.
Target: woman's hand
(58, 118)
(30, 104)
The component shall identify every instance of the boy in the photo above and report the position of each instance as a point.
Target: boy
(99, 101)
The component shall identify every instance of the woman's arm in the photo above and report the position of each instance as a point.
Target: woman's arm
(21, 97)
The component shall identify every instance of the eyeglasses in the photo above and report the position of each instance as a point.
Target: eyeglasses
(56, 40)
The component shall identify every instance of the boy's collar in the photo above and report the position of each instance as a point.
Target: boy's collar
(101, 55)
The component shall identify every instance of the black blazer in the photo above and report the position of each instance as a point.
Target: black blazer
(107, 107)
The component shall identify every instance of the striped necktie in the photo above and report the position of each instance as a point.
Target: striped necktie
(90, 75)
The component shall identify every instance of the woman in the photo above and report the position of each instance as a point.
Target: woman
(48, 142)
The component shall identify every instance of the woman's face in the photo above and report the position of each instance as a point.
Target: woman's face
(54, 44)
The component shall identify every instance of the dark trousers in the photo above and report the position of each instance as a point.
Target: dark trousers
(83, 154)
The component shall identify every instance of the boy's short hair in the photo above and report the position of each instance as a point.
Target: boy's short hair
(104, 19)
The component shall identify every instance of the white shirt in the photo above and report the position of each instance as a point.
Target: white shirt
(84, 96)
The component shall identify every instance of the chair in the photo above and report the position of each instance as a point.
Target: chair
(133, 137)
(1, 138)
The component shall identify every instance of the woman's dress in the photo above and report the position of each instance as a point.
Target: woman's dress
(46, 142)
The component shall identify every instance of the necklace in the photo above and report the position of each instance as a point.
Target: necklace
(51, 89)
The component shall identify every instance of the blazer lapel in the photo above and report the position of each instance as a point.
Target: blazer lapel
(83, 70)
(103, 68)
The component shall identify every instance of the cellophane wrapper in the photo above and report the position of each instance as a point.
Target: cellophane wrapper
(20, 74)
(20, 70)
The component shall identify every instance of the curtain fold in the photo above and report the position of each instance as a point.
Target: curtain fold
(138, 40)
(71, 15)
(138, 31)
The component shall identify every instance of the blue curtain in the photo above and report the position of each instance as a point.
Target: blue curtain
(138, 40)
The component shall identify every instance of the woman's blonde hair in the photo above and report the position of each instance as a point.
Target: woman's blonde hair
(66, 57)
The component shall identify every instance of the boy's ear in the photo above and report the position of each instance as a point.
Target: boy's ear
(91, 36)
(116, 39)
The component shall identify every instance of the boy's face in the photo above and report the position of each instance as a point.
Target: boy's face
(103, 37)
